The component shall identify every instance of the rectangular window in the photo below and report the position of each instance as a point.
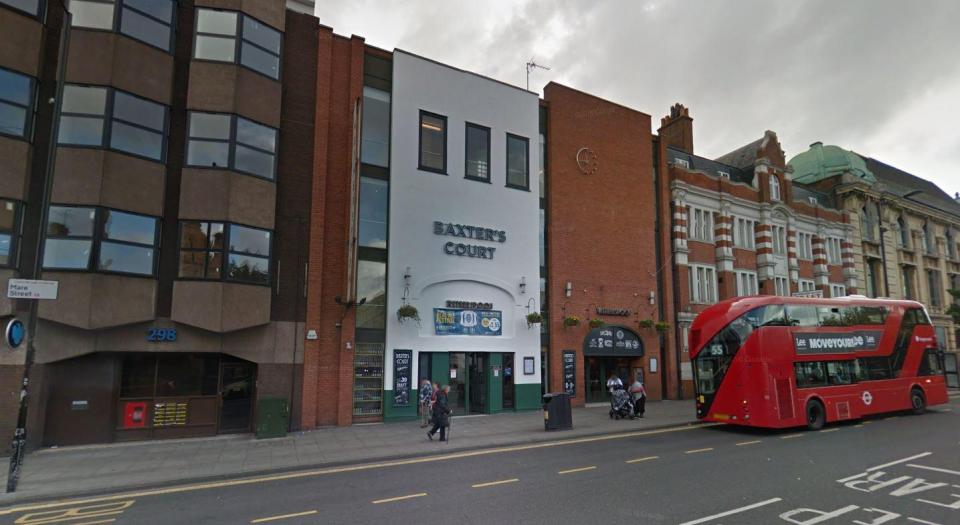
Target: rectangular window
(683, 163)
(372, 286)
(746, 282)
(936, 288)
(833, 250)
(215, 250)
(433, 142)
(9, 232)
(518, 162)
(805, 246)
(743, 233)
(781, 286)
(149, 21)
(930, 363)
(703, 284)
(477, 153)
(875, 368)
(123, 242)
(802, 315)
(907, 281)
(838, 290)
(136, 125)
(779, 239)
(220, 140)
(30, 7)
(810, 374)
(375, 130)
(373, 212)
(217, 40)
(16, 103)
(127, 243)
(806, 285)
(700, 224)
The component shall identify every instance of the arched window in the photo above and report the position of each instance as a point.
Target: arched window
(774, 188)
(904, 233)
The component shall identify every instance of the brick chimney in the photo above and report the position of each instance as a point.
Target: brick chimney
(677, 129)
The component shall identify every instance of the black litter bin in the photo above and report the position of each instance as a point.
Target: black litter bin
(556, 411)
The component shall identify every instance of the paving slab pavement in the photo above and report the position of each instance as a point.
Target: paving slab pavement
(70, 471)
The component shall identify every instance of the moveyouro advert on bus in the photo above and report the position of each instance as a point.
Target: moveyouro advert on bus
(837, 343)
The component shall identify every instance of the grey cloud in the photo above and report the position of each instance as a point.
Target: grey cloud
(840, 72)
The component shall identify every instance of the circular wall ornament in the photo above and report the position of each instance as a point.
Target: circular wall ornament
(587, 161)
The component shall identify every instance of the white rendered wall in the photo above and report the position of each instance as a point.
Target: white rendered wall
(418, 198)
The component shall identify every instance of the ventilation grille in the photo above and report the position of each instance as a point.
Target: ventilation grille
(843, 410)
(785, 398)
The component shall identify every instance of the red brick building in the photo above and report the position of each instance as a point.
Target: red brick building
(601, 245)
(742, 227)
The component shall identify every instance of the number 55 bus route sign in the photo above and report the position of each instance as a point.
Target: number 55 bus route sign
(32, 289)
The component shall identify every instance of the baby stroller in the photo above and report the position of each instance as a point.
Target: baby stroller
(621, 405)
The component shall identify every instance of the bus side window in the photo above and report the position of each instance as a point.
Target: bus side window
(875, 368)
(810, 373)
(801, 315)
(839, 372)
(829, 316)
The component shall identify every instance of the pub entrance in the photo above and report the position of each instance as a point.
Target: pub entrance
(468, 382)
(609, 350)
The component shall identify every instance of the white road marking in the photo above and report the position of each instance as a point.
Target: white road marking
(639, 460)
(925, 522)
(573, 470)
(398, 498)
(493, 483)
(743, 443)
(732, 512)
(284, 516)
(897, 462)
(935, 469)
(698, 450)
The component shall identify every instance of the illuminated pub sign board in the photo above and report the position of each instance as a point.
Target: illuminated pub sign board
(462, 321)
(612, 341)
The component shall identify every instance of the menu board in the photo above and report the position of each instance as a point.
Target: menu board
(570, 372)
(459, 321)
(169, 414)
(401, 377)
(612, 341)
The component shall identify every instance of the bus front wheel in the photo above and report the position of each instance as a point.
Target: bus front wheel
(816, 415)
(918, 404)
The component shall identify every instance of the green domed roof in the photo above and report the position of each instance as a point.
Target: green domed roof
(822, 162)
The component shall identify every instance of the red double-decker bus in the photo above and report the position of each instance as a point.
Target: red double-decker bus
(771, 361)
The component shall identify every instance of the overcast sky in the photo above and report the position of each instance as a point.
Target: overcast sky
(880, 77)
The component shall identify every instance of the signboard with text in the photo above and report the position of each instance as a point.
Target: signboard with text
(401, 377)
(458, 321)
(612, 341)
(570, 372)
(32, 289)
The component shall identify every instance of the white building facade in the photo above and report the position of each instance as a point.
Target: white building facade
(463, 240)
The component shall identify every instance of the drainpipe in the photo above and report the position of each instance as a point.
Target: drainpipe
(661, 308)
(19, 444)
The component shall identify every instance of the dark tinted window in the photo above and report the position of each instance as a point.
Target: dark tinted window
(148, 21)
(930, 364)
(518, 167)
(69, 241)
(201, 250)
(810, 374)
(8, 231)
(802, 315)
(433, 142)
(125, 243)
(770, 315)
(138, 375)
(16, 102)
(875, 368)
(31, 7)
(186, 374)
(376, 127)
(133, 249)
(840, 372)
(373, 212)
(219, 140)
(478, 152)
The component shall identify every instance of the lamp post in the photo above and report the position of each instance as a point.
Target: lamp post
(883, 230)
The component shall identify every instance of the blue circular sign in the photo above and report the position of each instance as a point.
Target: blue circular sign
(15, 333)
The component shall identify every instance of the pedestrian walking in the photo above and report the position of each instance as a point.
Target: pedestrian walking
(425, 395)
(441, 414)
(639, 394)
(613, 382)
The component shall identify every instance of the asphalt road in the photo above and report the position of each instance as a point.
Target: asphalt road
(893, 470)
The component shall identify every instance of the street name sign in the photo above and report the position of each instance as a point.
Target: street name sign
(32, 289)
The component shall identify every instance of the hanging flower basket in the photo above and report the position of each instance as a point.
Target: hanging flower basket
(534, 318)
(596, 323)
(408, 311)
(662, 326)
(571, 320)
(645, 323)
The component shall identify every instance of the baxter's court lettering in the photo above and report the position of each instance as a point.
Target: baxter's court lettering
(469, 232)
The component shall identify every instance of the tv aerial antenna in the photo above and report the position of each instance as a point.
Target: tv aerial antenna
(531, 65)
